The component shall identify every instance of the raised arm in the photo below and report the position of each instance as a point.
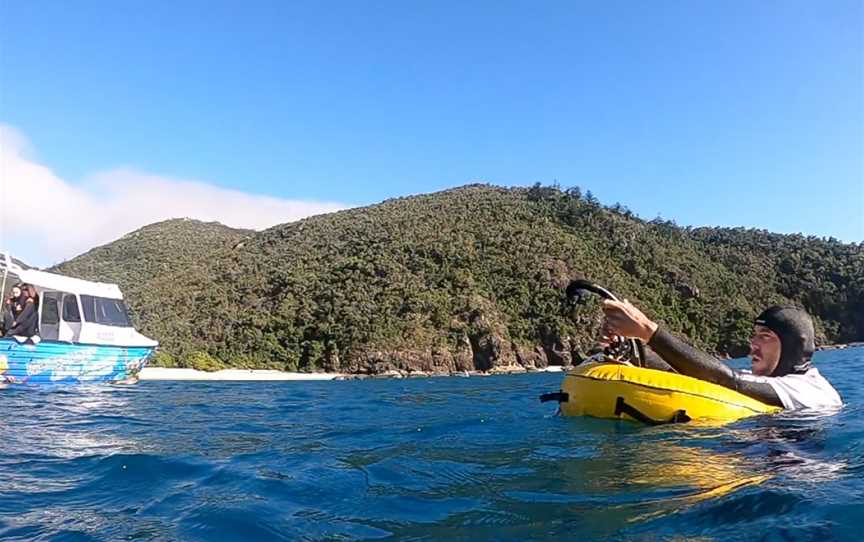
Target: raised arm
(623, 318)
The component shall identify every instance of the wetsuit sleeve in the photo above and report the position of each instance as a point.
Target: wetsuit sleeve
(692, 362)
(654, 361)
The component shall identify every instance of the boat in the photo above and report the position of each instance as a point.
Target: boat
(84, 332)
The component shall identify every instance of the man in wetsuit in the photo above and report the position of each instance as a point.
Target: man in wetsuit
(780, 350)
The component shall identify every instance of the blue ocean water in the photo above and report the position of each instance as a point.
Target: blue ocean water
(420, 459)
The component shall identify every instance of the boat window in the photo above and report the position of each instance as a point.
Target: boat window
(50, 313)
(70, 308)
(101, 310)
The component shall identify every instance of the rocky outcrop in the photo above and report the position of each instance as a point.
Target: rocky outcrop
(383, 361)
(687, 291)
(480, 353)
(530, 357)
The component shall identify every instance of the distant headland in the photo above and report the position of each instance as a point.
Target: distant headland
(469, 279)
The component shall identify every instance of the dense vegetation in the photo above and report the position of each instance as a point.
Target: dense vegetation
(469, 278)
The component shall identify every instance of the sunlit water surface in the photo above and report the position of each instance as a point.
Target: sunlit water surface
(420, 459)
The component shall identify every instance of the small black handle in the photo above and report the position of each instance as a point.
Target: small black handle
(560, 396)
(621, 407)
(580, 285)
(575, 291)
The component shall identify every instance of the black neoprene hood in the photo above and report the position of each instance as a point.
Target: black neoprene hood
(797, 337)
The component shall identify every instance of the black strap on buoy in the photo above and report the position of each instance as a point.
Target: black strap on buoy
(560, 396)
(621, 407)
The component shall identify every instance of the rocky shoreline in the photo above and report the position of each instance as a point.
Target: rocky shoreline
(403, 371)
(252, 375)
(511, 370)
(840, 346)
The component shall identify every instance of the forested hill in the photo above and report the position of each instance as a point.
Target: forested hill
(469, 278)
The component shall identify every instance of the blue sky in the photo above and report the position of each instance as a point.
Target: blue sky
(708, 113)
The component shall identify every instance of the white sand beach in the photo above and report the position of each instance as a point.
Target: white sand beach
(160, 373)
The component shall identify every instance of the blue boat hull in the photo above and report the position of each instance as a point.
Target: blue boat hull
(54, 362)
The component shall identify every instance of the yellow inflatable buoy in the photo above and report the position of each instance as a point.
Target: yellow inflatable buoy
(620, 391)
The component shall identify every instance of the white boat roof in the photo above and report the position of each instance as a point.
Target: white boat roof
(53, 281)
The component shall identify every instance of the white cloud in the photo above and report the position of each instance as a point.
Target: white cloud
(45, 219)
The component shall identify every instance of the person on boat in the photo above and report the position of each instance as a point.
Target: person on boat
(26, 322)
(11, 309)
(781, 347)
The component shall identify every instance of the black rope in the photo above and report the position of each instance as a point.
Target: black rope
(621, 407)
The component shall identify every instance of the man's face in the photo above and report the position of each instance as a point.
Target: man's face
(764, 351)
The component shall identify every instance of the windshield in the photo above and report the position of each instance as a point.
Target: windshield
(101, 310)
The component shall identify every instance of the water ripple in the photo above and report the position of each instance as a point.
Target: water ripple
(426, 459)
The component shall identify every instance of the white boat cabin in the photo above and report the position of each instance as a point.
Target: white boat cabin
(75, 310)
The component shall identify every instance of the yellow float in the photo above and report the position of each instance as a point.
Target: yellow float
(622, 391)
(615, 384)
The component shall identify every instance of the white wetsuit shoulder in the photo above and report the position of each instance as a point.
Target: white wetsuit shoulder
(799, 391)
